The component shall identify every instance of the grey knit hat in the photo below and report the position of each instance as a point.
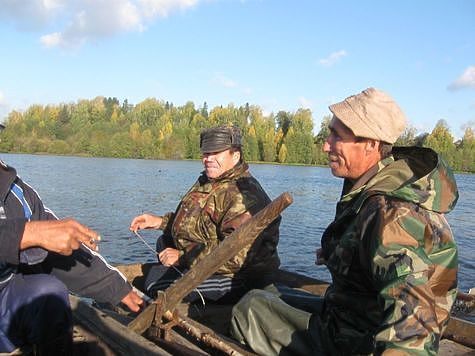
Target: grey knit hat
(371, 114)
(217, 139)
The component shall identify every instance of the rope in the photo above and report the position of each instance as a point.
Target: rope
(176, 269)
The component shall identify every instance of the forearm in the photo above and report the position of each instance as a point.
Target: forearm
(87, 274)
(167, 221)
(410, 323)
(398, 269)
(411, 315)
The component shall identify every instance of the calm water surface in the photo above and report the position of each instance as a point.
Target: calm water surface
(106, 193)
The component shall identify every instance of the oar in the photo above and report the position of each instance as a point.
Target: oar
(204, 268)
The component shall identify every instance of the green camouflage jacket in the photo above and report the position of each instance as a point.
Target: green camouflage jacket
(392, 258)
(211, 210)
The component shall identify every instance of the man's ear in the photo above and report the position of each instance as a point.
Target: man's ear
(372, 146)
(236, 157)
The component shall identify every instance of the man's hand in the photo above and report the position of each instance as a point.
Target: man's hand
(169, 256)
(133, 301)
(60, 236)
(145, 221)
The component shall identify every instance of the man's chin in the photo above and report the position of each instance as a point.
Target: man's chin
(211, 173)
(335, 171)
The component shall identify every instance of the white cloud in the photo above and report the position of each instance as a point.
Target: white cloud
(163, 8)
(333, 58)
(30, 14)
(53, 40)
(466, 80)
(73, 23)
(98, 19)
(224, 81)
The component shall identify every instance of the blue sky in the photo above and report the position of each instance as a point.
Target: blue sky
(279, 55)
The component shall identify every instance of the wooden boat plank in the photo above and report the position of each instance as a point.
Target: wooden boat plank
(449, 347)
(461, 331)
(116, 335)
(458, 330)
(176, 343)
(224, 343)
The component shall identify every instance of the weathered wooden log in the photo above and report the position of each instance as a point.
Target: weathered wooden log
(460, 331)
(116, 335)
(207, 336)
(204, 268)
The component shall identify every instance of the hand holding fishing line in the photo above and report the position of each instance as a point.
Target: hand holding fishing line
(60, 236)
(93, 243)
(172, 265)
(169, 256)
(145, 221)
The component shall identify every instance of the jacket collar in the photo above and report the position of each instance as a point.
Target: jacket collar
(237, 170)
(7, 177)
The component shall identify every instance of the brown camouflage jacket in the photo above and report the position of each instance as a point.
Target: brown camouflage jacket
(392, 258)
(211, 210)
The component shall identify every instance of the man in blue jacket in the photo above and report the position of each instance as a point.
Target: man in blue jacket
(41, 259)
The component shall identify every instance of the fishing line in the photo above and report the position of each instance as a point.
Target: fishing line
(176, 269)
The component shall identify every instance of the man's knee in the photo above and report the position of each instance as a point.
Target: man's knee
(252, 298)
(48, 286)
(249, 308)
(38, 309)
(48, 300)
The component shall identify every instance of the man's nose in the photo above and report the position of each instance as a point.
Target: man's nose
(326, 146)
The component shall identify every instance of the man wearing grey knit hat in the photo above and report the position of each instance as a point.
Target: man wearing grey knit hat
(389, 250)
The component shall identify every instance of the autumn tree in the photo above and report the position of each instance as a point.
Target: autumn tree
(442, 141)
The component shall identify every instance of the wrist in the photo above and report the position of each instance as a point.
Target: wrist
(29, 235)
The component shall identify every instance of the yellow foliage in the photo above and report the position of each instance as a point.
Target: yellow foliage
(134, 131)
(114, 116)
(279, 136)
(282, 154)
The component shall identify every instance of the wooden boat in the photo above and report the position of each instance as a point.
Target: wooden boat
(169, 327)
(204, 331)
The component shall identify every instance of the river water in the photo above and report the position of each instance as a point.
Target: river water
(106, 193)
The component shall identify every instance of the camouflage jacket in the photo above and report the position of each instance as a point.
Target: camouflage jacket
(211, 210)
(392, 258)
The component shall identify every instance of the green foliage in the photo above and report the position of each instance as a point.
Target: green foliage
(442, 141)
(159, 130)
(466, 152)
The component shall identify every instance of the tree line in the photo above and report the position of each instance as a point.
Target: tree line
(156, 129)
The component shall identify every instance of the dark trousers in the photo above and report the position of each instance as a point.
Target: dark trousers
(215, 288)
(34, 310)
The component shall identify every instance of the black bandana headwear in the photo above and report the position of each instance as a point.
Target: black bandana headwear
(217, 139)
